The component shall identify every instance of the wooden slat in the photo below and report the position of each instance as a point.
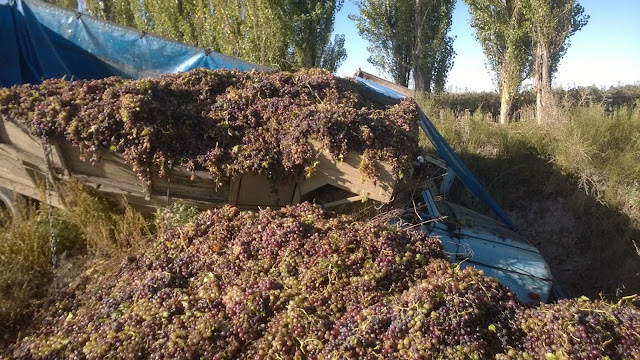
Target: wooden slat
(58, 160)
(22, 140)
(347, 175)
(22, 162)
(257, 190)
(234, 190)
(296, 195)
(201, 188)
(343, 201)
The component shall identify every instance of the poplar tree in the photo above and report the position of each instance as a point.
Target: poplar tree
(553, 23)
(408, 39)
(503, 29)
(311, 34)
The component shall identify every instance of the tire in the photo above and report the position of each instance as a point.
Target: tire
(8, 200)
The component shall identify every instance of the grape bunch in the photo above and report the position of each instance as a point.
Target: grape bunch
(579, 329)
(299, 283)
(226, 122)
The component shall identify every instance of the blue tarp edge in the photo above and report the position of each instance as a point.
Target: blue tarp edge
(42, 41)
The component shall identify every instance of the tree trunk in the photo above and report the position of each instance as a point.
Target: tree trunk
(506, 96)
(506, 100)
(309, 49)
(544, 95)
(421, 79)
(419, 72)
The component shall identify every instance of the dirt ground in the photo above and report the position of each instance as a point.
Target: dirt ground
(589, 246)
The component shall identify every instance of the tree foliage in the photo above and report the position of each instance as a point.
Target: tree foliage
(408, 39)
(504, 31)
(553, 23)
(283, 34)
(521, 37)
(433, 50)
(311, 33)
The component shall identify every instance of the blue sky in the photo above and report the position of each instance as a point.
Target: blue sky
(605, 52)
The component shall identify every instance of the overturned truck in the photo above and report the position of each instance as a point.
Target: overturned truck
(89, 100)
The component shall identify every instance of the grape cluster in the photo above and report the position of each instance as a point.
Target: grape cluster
(579, 329)
(298, 283)
(225, 121)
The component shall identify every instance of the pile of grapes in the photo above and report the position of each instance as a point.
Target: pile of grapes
(297, 283)
(227, 122)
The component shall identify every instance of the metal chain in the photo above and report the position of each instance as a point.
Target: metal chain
(48, 176)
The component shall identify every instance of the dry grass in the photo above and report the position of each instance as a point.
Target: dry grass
(25, 264)
(90, 233)
(573, 185)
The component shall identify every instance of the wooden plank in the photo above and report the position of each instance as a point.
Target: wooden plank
(343, 201)
(296, 195)
(347, 175)
(393, 86)
(21, 155)
(111, 167)
(257, 190)
(4, 138)
(22, 176)
(15, 169)
(30, 191)
(436, 161)
(23, 141)
(234, 190)
(202, 188)
(58, 161)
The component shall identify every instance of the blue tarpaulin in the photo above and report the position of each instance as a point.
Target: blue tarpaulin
(40, 41)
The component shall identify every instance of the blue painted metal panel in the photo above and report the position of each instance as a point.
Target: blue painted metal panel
(487, 244)
(447, 182)
(523, 272)
(480, 226)
(527, 288)
(464, 174)
(380, 90)
(430, 204)
(505, 257)
(507, 241)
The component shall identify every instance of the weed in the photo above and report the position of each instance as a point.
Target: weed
(178, 214)
(574, 180)
(109, 228)
(105, 229)
(25, 258)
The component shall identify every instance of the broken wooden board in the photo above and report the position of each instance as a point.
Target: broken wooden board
(23, 168)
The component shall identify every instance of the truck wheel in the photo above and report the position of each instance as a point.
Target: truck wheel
(8, 200)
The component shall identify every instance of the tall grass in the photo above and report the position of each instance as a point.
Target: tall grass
(25, 258)
(109, 228)
(600, 149)
(100, 230)
(604, 152)
(582, 166)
